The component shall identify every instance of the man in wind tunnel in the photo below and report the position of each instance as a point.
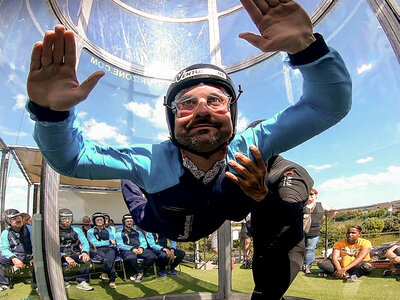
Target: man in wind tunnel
(186, 176)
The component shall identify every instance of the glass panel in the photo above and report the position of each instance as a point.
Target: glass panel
(233, 48)
(164, 46)
(172, 9)
(70, 8)
(226, 4)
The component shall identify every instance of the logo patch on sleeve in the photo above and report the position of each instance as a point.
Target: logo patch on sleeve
(287, 177)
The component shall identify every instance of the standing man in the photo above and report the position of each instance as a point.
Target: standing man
(16, 245)
(184, 178)
(133, 245)
(104, 240)
(313, 214)
(74, 249)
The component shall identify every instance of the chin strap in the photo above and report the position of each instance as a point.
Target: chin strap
(207, 154)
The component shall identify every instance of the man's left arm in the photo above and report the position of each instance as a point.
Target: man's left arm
(326, 95)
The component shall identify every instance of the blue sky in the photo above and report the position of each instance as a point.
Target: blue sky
(354, 163)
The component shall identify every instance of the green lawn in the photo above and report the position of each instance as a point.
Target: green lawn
(190, 281)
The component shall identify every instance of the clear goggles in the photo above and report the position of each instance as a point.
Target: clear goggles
(185, 105)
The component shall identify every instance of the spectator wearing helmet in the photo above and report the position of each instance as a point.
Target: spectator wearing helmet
(16, 245)
(133, 245)
(183, 178)
(175, 255)
(74, 249)
(104, 240)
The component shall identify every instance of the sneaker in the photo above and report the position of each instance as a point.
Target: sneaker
(173, 272)
(84, 286)
(163, 274)
(113, 285)
(139, 277)
(352, 278)
(4, 287)
(104, 277)
(67, 285)
(307, 270)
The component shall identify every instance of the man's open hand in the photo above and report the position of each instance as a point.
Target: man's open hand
(52, 80)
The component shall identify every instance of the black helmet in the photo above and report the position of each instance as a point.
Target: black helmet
(126, 217)
(65, 213)
(10, 213)
(98, 215)
(193, 75)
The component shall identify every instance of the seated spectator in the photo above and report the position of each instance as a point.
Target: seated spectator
(162, 253)
(71, 240)
(86, 224)
(16, 245)
(350, 257)
(104, 240)
(175, 255)
(26, 218)
(109, 223)
(393, 254)
(133, 245)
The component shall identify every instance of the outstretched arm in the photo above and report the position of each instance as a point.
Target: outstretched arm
(283, 26)
(52, 81)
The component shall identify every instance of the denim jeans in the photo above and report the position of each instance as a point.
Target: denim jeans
(311, 244)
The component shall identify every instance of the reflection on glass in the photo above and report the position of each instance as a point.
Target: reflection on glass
(144, 42)
(172, 9)
(71, 9)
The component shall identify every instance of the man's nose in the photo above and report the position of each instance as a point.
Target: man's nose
(202, 107)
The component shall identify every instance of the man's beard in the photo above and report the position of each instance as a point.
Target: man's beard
(199, 144)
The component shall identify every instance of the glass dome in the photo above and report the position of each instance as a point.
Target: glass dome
(141, 44)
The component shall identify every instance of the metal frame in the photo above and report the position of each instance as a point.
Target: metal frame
(213, 20)
(387, 13)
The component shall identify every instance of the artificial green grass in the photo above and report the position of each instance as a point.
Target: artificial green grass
(189, 280)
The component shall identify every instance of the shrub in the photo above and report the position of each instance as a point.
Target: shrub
(373, 225)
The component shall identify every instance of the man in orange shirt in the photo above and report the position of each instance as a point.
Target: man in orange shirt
(350, 257)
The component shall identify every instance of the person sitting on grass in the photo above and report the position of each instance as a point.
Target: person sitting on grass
(350, 257)
(393, 254)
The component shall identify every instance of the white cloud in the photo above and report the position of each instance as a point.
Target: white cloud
(361, 69)
(163, 136)
(82, 114)
(363, 181)
(12, 133)
(320, 168)
(16, 181)
(20, 100)
(242, 123)
(155, 115)
(16, 198)
(364, 160)
(103, 133)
